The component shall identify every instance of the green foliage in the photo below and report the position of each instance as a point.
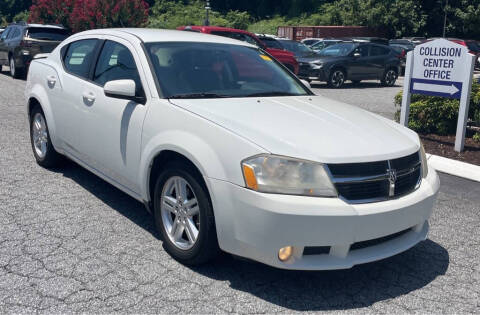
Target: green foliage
(429, 114)
(171, 14)
(22, 16)
(476, 137)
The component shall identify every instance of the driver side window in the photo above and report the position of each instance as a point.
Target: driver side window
(116, 63)
(362, 50)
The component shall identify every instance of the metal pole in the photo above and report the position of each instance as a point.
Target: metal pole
(207, 8)
(464, 105)
(445, 18)
(405, 110)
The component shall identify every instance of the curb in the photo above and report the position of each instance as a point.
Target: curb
(454, 167)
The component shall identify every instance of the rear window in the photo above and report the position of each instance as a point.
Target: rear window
(473, 46)
(44, 33)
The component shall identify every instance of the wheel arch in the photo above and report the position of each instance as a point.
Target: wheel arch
(186, 147)
(157, 165)
(38, 97)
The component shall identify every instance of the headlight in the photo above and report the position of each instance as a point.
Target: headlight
(424, 161)
(282, 175)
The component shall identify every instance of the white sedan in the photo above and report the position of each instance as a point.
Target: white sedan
(229, 150)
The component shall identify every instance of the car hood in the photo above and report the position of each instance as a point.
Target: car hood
(308, 127)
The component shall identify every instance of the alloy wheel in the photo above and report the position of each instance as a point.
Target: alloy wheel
(39, 135)
(390, 78)
(338, 78)
(180, 212)
(12, 67)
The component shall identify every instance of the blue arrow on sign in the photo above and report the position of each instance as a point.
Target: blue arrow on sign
(448, 89)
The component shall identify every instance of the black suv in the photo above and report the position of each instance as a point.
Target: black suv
(20, 42)
(351, 61)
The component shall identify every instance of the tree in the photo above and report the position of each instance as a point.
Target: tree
(79, 15)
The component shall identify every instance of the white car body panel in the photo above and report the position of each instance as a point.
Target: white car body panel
(309, 127)
(118, 140)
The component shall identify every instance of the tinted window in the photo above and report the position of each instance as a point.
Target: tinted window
(296, 47)
(13, 33)
(342, 49)
(46, 33)
(473, 46)
(5, 32)
(207, 70)
(363, 50)
(237, 36)
(379, 51)
(271, 43)
(116, 63)
(78, 58)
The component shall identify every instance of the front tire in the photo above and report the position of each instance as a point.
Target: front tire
(337, 78)
(42, 146)
(184, 215)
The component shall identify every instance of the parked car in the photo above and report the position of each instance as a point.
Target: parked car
(325, 43)
(472, 46)
(310, 41)
(404, 43)
(352, 61)
(20, 42)
(402, 49)
(285, 57)
(376, 40)
(252, 163)
(1, 31)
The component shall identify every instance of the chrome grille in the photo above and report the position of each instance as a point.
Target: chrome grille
(376, 181)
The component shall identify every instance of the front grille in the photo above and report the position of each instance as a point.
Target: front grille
(374, 181)
(377, 241)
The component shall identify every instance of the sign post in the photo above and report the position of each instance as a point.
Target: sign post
(440, 68)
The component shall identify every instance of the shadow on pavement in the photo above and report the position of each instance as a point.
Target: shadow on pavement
(361, 286)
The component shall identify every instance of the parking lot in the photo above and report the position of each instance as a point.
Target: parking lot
(72, 243)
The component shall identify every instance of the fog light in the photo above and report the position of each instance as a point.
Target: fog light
(285, 253)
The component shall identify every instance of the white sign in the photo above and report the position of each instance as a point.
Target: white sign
(440, 68)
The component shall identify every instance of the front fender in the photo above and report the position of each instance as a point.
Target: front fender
(199, 152)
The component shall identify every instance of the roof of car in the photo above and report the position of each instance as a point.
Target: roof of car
(149, 35)
(56, 26)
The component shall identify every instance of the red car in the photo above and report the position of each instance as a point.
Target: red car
(472, 46)
(285, 57)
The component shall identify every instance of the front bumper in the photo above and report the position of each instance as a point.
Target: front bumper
(307, 72)
(256, 225)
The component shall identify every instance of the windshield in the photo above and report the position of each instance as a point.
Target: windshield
(340, 50)
(210, 70)
(47, 33)
(296, 47)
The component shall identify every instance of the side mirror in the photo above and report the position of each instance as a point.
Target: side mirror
(357, 55)
(123, 89)
(305, 82)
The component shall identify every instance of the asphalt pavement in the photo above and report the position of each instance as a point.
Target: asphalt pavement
(70, 242)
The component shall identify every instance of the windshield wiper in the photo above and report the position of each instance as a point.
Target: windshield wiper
(272, 93)
(198, 95)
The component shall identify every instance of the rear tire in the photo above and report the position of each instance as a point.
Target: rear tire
(42, 146)
(189, 238)
(15, 72)
(389, 78)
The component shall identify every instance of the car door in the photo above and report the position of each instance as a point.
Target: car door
(111, 128)
(378, 59)
(4, 47)
(358, 66)
(70, 104)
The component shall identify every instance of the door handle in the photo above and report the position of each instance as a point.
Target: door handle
(51, 80)
(89, 97)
